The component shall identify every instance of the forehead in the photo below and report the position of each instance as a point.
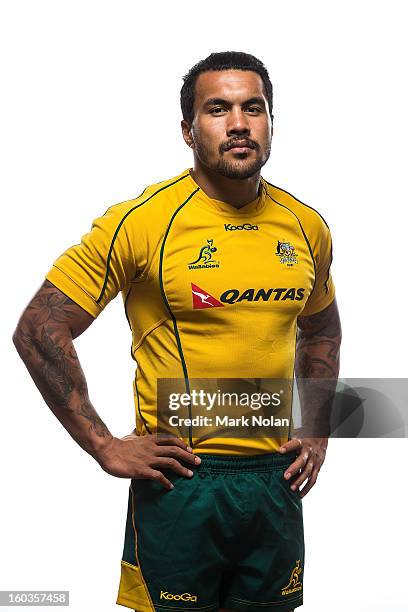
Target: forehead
(231, 85)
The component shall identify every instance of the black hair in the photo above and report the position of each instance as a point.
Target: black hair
(224, 60)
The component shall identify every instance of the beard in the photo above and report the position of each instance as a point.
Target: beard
(243, 166)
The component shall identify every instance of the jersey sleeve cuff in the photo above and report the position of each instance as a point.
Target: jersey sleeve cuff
(71, 289)
(319, 305)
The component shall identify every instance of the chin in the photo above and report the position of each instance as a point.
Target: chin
(240, 169)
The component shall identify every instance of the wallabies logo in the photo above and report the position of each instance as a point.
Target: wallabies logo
(205, 257)
(294, 583)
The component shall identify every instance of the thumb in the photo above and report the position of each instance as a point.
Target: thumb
(291, 445)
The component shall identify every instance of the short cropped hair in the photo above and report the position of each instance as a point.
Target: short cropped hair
(224, 60)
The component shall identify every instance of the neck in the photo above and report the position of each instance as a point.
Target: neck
(236, 192)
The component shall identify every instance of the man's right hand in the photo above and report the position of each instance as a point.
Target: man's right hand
(139, 457)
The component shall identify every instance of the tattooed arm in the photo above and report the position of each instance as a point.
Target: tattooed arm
(318, 359)
(317, 369)
(43, 339)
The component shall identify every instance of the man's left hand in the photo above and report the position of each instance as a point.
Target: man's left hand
(311, 454)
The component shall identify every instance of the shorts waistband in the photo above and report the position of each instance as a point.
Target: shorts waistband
(250, 463)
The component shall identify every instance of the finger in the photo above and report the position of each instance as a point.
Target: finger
(311, 482)
(305, 474)
(172, 464)
(167, 439)
(158, 477)
(179, 453)
(297, 465)
(291, 445)
(130, 436)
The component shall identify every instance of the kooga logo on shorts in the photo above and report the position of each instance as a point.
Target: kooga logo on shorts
(246, 226)
(183, 597)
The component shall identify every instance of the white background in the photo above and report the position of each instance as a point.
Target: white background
(89, 116)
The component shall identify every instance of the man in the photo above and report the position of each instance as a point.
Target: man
(221, 274)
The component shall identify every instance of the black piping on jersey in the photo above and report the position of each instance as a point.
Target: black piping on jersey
(138, 403)
(322, 218)
(176, 332)
(293, 382)
(123, 201)
(120, 225)
(328, 269)
(304, 235)
(126, 299)
(314, 266)
(300, 201)
(131, 354)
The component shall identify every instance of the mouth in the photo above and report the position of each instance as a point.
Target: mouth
(240, 147)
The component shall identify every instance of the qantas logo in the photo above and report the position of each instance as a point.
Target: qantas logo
(255, 295)
(202, 299)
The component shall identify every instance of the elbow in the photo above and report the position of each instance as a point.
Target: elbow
(23, 334)
(17, 339)
(337, 330)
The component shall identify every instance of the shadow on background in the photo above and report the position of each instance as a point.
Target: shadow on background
(370, 408)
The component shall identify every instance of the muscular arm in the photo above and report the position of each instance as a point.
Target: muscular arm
(318, 357)
(44, 340)
(318, 343)
(317, 369)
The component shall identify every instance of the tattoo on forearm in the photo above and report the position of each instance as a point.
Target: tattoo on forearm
(59, 367)
(317, 359)
(97, 425)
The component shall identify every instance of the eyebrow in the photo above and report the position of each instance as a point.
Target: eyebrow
(215, 101)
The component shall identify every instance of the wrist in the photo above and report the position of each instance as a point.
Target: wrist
(98, 446)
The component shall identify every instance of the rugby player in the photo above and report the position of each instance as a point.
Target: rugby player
(223, 275)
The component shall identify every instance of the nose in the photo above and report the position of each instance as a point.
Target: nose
(237, 123)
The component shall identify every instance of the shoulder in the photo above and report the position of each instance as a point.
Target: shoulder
(310, 218)
(152, 201)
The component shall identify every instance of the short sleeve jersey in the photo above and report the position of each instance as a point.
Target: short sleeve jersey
(208, 290)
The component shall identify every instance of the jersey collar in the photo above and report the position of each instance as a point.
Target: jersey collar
(251, 209)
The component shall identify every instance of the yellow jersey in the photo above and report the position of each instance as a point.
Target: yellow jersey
(210, 291)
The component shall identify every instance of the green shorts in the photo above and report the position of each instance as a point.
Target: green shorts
(229, 537)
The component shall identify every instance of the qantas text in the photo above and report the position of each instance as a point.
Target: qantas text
(230, 296)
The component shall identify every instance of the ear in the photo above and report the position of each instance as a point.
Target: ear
(186, 131)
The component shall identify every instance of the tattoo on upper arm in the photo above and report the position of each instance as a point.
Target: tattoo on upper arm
(45, 344)
(50, 304)
(324, 323)
(318, 344)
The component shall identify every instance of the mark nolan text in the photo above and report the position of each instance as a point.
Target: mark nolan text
(225, 421)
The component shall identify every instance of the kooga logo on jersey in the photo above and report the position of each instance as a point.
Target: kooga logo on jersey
(230, 296)
(246, 226)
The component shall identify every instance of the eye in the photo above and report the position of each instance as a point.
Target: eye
(214, 111)
(255, 109)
